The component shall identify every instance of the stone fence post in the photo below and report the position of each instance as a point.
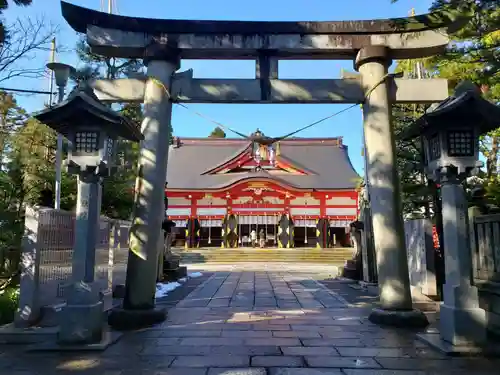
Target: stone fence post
(420, 251)
(29, 301)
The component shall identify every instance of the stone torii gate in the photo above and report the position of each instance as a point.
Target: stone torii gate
(372, 45)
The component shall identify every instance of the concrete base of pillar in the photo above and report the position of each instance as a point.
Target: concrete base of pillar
(123, 320)
(435, 341)
(81, 324)
(463, 327)
(81, 320)
(108, 338)
(119, 291)
(399, 318)
(174, 274)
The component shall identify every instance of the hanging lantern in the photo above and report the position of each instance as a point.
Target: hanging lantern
(256, 153)
(271, 153)
(209, 231)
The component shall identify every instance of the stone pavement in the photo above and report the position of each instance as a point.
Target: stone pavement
(257, 323)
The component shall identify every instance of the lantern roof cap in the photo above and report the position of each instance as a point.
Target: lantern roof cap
(83, 108)
(466, 107)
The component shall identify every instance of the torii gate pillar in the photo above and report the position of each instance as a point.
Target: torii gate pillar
(140, 286)
(385, 193)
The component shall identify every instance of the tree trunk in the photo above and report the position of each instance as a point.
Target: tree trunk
(492, 159)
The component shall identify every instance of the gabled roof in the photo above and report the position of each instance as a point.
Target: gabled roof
(82, 108)
(326, 160)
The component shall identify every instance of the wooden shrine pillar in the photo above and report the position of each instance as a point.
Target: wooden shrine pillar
(322, 233)
(230, 231)
(285, 232)
(192, 233)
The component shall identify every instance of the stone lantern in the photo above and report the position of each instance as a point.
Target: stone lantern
(92, 130)
(451, 133)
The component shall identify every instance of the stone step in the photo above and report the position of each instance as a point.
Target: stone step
(325, 256)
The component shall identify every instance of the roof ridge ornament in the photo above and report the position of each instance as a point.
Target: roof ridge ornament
(465, 87)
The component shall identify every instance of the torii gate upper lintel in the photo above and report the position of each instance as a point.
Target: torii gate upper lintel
(372, 45)
(121, 36)
(267, 43)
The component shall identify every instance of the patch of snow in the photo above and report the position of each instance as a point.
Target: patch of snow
(183, 280)
(162, 290)
(194, 275)
(360, 362)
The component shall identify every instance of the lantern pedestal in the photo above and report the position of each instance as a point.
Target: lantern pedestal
(82, 317)
(463, 324)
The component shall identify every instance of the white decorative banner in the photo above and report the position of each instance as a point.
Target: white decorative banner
(258, 219)
(173, 211)
(339, 223)
(257, 209)
(211, 223)
(213, 211)
(309, 223)
(304, 211)
(180, 223)
(341, 211)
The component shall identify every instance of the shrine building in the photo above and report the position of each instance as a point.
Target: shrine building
(301, 192)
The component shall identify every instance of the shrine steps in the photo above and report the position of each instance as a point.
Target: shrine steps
(334, 256)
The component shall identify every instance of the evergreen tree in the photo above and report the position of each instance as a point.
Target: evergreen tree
(474, 55)
(4, 4)
(27, 164)
(118, 190)
(217, 133)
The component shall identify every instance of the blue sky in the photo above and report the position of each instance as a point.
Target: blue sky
(274, 120)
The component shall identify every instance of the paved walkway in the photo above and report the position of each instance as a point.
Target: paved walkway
(257, 323)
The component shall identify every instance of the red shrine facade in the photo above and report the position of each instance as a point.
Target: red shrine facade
(293, 191)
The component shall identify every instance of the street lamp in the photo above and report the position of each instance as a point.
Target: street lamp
(451, 132)
(62, 73)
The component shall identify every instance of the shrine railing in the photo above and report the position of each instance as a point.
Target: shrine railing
(485, 248)
(47, 255)
(485, 245)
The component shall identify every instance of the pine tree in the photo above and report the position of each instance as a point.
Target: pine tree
(117, 193)
(27, 164)
(217, 133)
(474, 55)
(4, 4)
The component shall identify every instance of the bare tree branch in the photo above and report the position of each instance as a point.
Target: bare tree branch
(26, 37)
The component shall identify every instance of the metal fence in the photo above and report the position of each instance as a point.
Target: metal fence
(47, 255)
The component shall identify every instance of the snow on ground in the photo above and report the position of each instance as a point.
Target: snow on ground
(162, 289)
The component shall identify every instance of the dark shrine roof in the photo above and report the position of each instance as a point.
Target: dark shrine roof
(83, 108)
(325, 161)
(465, 107)
(79, 18)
